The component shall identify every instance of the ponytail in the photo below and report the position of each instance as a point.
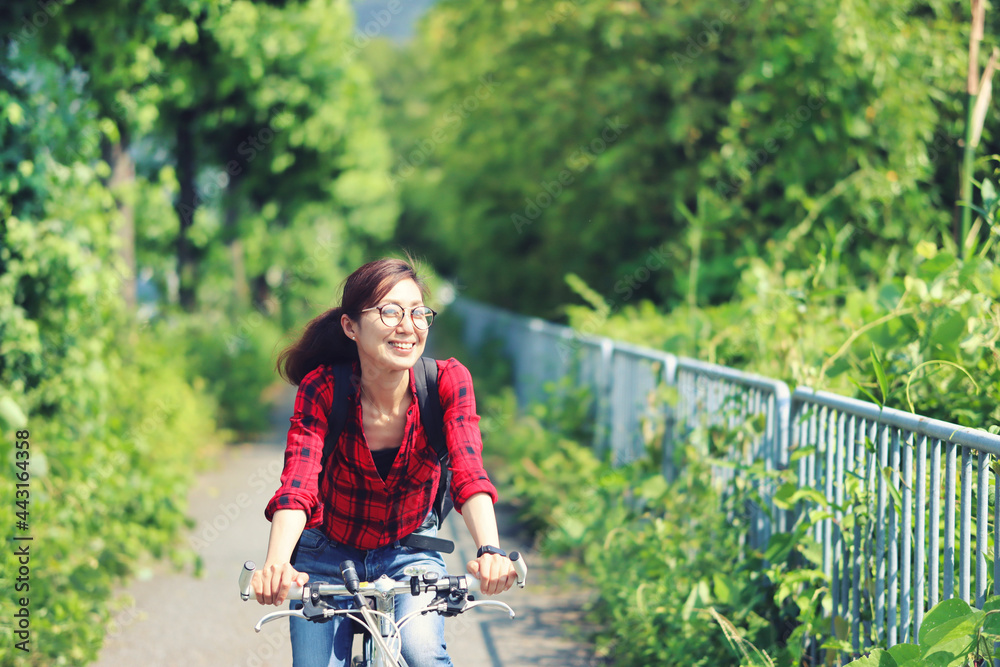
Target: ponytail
(323, 341)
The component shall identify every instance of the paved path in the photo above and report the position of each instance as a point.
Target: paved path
(177, 619)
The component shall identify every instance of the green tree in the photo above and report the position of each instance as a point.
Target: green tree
(270, 130)
(297, 132)
(114, 431)
(572, 137)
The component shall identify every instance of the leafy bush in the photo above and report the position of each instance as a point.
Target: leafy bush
(668, 561)
(952, 634)
(105, 493)
(646, 111)
(233, 360)
(934, 325)
(663, 558)
(115, 432)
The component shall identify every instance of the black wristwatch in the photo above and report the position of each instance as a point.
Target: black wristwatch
(487, 549)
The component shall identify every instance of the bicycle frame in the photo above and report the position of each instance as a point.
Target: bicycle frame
(370, 653)
(381, 642)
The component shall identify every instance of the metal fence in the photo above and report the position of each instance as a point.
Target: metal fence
(885, 573)
(889, 463)
(712, 395)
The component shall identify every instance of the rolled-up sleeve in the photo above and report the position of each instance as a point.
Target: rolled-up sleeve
(304, 448)
(461, 432)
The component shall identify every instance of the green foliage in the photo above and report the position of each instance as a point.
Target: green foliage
(665, 560)
(247, 123)
(847, 116)
(108, 488)
(115, 433)
(491, 373)
(668, 561)
(952, 634)
(296, 127)
(924, 342)
(233, 361)
(241, 137)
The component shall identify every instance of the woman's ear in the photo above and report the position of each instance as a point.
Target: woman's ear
(350, 326)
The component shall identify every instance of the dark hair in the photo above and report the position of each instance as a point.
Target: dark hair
(323, 340)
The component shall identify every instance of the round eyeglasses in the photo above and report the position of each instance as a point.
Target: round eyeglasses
(392, 314)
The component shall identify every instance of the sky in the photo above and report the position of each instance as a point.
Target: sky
(395, 19)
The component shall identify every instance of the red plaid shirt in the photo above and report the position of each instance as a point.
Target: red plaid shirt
(350, 501)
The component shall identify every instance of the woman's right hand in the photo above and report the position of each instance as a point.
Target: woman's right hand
(271, 582)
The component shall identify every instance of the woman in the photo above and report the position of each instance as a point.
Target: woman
(378, 484)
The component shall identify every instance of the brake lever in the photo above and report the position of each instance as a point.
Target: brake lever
(490, 603)
(275, 615)
(453, 607)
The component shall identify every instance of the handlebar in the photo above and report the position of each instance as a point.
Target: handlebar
(353, 586)
(367, 588)
(455, 588)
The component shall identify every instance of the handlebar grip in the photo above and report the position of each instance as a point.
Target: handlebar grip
(351, 581)
(245, 576)
(520, 567)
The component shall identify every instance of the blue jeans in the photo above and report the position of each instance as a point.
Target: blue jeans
(329, 644)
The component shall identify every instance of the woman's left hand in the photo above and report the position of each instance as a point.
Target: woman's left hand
(494, 572)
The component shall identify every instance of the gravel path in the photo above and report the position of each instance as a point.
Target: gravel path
(172, 618)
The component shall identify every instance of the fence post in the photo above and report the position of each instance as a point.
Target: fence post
(782, 438)
(670, 419)
(602, 397)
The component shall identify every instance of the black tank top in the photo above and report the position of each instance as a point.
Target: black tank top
(384, 459)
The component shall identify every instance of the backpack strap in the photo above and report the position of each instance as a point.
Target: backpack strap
(425, 375)
(343, 386)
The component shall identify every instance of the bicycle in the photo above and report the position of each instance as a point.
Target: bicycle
(381, 644)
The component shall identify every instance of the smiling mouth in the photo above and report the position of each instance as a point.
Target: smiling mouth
(402, 346)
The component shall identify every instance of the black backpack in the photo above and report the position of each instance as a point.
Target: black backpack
(431, 416)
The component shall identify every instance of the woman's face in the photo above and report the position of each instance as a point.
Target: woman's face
(390, 348)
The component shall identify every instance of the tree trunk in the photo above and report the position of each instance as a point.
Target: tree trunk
(123, 176)
(261, 293)
(241, 290)
(187, 203)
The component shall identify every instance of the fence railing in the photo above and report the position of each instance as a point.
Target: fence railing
(896, 459)
(865, 461)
